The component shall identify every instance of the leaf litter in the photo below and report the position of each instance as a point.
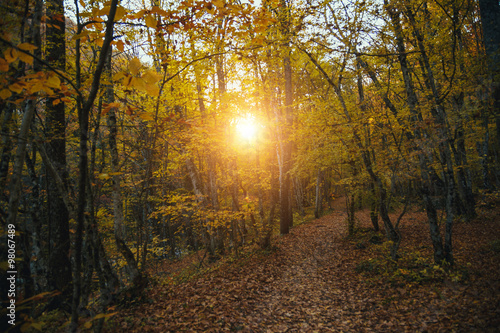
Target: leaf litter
(310, 282)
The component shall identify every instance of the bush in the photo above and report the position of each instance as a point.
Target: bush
(411, 268)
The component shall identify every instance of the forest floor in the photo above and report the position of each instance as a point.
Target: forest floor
(316, 279)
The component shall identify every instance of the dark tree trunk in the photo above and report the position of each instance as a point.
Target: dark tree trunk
(318, 207)
(59, 258)
(374, 207)
(490, 18)
(286, 216)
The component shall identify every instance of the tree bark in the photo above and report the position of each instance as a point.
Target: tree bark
(59, 263)
(138, 280)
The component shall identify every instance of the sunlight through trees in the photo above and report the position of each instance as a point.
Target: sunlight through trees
(138, 132)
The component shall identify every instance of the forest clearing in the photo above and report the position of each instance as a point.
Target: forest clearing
(240, 165)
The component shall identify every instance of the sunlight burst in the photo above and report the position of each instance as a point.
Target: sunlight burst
(246, 128)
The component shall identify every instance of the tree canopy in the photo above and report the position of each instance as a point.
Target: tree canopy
(133, 132)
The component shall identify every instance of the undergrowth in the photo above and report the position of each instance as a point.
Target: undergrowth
(411, 268)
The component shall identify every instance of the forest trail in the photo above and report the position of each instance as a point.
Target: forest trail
(309, 284)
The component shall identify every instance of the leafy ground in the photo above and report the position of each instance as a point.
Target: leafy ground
(318, 280)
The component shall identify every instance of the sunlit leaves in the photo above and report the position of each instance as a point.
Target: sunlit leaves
(134, 66)
(147, 82)
(10, 55)
(4, 65)
(150, 21)
(36, 83)
(120, 13)
(5, 93)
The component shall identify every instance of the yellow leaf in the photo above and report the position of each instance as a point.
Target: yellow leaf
(151, 77)
(120, 12)
(5, 93)
(4, 65)
(83, 34)
(48, 91)
(127, 81)
(10, 55)
(99, 42)
(104, 11)
(26, 58)
(87, 325)
(218, 3)
(138, 83)
(118, 76)
(150, 21)
(134, 66)
(140, 14)
(120, 45)
(159, 11)
(36, 87)
(103, 176)
(16, 87)
(27, 47)
(82, 3)
(152, 89)
(146, 116)
(54, 82)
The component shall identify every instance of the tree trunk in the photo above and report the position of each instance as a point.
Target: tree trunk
(374, 208)
(416, 117)
(318, 206)
(444, 137)
(286, 216)
(59, 263)
(138, 280)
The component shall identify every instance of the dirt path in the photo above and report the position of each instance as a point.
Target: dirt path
(309, 284)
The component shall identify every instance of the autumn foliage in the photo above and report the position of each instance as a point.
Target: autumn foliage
(157, 150)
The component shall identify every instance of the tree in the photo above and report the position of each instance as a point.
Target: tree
(57, 214)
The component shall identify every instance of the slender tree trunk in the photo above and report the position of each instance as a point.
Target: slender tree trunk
(392, 232)
(444, 138)
(374, 207)
(286, 216)
(59, 264)
(490, 19)
(138, 280)
(416, 117)
(7, 109)
(318, 206)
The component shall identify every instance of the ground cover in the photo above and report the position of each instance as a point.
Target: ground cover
(316, 279)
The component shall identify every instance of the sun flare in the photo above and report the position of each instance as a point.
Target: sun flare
(246, 128)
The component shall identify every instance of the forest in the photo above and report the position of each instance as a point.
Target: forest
(149, 148)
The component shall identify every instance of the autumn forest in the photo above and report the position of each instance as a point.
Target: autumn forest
(153, 151)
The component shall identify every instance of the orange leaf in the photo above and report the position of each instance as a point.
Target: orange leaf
(54, 82)
(134, 66)
(150, 21)
(138, 83)
(27, 47)
(120, 13)
(120, 45)
(10, 55)
(151, 77)
(26, 58)
(16, 87)
(5, 93)
(4, 65)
